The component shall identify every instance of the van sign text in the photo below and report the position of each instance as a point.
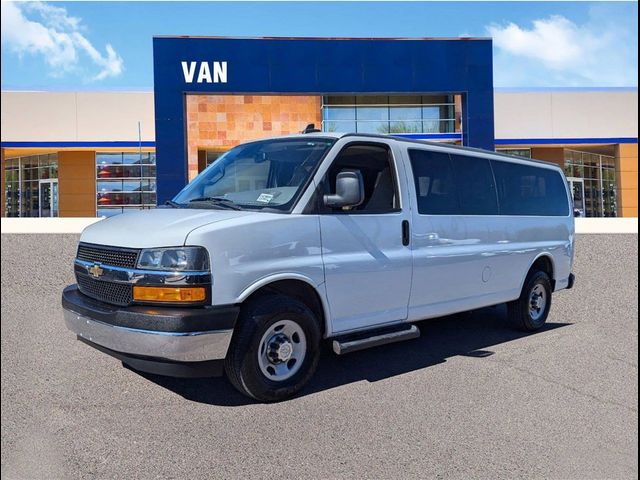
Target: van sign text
(207, 72)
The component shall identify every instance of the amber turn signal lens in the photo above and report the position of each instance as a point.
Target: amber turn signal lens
(169, 294)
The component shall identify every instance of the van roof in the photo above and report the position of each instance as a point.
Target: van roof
(427, 143)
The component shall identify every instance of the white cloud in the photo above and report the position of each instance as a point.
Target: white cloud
(38, 28)
(555, 51)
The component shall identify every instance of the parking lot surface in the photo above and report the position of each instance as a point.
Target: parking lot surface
(471, 398)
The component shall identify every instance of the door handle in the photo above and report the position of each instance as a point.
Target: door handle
(406, 234)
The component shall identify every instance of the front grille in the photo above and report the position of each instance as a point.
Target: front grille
(114, 256)
(110, 292)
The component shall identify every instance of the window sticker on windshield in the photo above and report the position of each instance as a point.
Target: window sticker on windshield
(264, 198)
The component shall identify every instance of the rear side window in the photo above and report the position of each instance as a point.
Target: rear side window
(435, 186)
(476, 189)
(527, 190)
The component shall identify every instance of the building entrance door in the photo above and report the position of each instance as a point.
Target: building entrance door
(577, 192)
(48, 198)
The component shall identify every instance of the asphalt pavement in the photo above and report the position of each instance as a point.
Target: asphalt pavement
(471, 398)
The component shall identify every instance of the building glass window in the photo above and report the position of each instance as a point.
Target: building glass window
(125, 181)
(390, 114)
(516, 152)
(592, 178)
(212, 156)
(31, 186)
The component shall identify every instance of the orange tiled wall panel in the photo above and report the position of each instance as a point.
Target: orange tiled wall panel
(553, 155)
(627, 157)
(223, 121)
(77, 183)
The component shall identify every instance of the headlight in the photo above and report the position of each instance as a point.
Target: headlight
(178, 258)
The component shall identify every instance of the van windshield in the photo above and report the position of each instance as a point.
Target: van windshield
(258, 175)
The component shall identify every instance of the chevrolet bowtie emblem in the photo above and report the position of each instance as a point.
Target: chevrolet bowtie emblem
(95, 271)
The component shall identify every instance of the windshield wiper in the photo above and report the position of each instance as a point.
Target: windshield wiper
(173, 204)
(218, 202)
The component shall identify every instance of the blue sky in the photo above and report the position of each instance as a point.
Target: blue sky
(107, 45)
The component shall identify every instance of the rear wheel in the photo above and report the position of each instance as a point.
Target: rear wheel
(531, 310)
(275, 348)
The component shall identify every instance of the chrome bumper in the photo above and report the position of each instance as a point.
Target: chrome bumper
(174, 346)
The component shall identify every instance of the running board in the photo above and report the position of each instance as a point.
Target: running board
(374, 338)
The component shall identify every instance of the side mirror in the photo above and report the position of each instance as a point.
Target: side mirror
(349, 190)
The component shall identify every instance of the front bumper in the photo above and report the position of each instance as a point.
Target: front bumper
(162, 334)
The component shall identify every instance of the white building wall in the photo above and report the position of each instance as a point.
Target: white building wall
(560, 115)
(76, 116)
(38, 116)
(114, 116)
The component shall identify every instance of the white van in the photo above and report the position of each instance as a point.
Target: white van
(284, 242)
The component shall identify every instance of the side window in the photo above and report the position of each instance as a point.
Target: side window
(476, 189)
(380, 187)
(435, 187)
(528, 190)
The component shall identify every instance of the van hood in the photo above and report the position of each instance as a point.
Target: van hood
(158, 227)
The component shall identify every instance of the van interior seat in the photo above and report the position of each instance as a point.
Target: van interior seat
(382, 198)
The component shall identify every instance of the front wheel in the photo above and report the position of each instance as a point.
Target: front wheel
(531, 310)
(275, 348)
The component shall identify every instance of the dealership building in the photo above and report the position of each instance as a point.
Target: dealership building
(86, 154)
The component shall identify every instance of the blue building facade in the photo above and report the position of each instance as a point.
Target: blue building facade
(185, 66)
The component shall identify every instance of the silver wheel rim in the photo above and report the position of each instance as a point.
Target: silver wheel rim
(282, 350)
(537, 302)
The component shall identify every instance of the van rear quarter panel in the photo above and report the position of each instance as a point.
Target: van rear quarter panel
(248, 252)
(461, 262)
(528, 238)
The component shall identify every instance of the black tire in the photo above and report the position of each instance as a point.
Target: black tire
(519, 310)
(242, 366)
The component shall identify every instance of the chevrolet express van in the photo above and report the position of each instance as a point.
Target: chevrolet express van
(284, 242)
